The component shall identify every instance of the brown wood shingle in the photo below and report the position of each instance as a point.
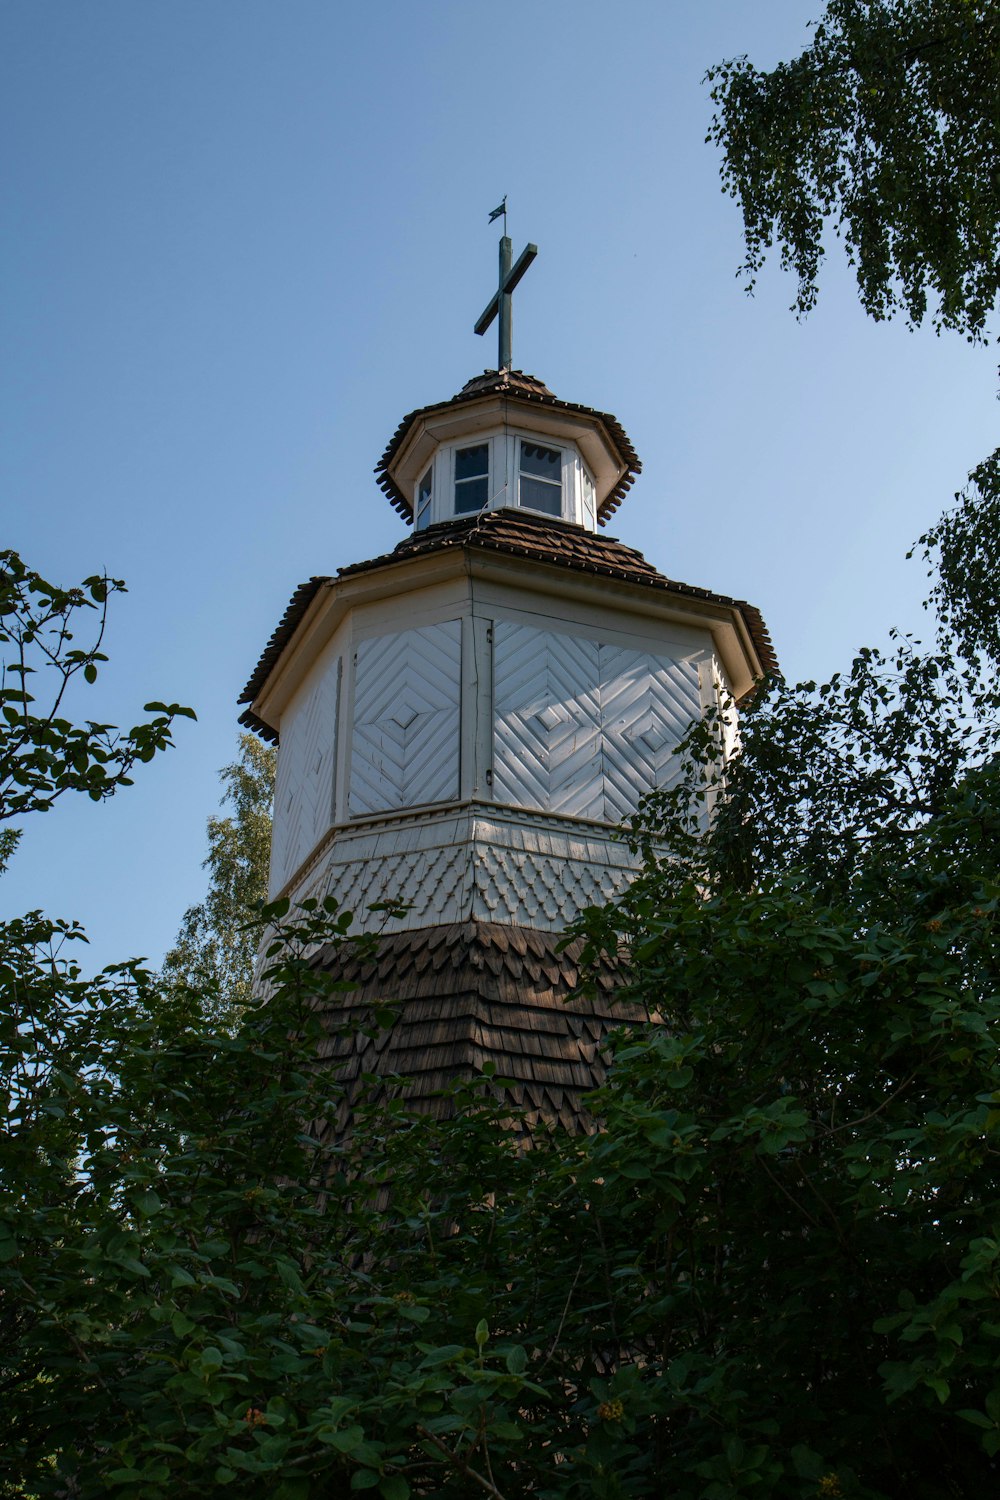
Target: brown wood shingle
(464, 997)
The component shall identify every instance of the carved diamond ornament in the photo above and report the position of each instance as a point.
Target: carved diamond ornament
(549, 716)
(584, 727)
(404, 746)
(651, 732)
(403, 715)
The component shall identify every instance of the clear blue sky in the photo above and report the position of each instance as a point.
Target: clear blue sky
(243, 238)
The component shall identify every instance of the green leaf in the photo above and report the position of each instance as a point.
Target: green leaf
(344, 1439)
(977, 1418)
(413, 1312)
(136, 1267)
(394, 1487)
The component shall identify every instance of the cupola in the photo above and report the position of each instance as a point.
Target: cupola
(507, 442)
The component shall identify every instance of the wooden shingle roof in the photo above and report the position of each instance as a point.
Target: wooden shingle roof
(519, 533)
(473, 993)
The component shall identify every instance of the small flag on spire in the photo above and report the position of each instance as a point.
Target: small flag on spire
(502, 209)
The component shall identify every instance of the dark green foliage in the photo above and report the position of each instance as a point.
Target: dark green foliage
(776, 1268)
(888, 125)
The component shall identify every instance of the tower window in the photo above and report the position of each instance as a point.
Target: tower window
(472, 478)
(541, 478)
(424, 500)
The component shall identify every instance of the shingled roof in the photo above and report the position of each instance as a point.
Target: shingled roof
(517, 387)
(518, 533)
(474, 993)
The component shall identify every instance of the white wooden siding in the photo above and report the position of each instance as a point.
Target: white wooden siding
(547, 750)
(304, 785)
(647, 706)
(405, 740)
(582, 727)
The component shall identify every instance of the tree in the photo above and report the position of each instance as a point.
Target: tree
(217, 943)
(964, 550)
(43, 754)
(888, 124)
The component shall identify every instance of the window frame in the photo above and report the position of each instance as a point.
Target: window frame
(566, 457)
(577, 487)
(464, 447)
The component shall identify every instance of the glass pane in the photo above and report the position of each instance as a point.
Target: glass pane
(545, 462)
(471, 494)
(470, 463)
(536, 494)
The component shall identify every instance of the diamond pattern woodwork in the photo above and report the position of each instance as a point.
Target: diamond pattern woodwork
(547, 751)
(434, 882)
(405, 744)
(647, 706)
(542, 890)
(582, 727)
(450, 866)
(304, 786)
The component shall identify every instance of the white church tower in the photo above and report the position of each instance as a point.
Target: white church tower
(465, 723)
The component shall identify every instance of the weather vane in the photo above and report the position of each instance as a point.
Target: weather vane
(501, 304)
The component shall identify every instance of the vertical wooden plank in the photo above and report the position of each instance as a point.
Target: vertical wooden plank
(336, 739)
(306, 756)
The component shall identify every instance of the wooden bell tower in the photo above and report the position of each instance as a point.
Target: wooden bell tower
(465, 723)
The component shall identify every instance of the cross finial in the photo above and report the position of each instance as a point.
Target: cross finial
(501, 305)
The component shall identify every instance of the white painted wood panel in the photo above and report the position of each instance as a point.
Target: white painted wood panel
(304, 783)
(582, 727)
(547, 738)
(647, 706)
(405, 738)
(450, 866)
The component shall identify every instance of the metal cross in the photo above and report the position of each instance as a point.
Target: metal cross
(501, 302)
